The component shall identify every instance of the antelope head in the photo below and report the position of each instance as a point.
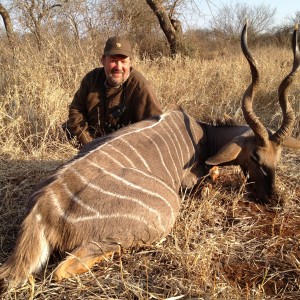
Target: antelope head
(258, 150)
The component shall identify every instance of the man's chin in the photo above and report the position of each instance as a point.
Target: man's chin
(114, 82)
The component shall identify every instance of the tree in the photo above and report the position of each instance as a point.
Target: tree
(231, 17)
(282, 33)
(34, 15)
(296, 18)
(72, 14)
(8, 25)
(165, 12)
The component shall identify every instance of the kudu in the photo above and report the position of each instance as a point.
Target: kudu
(122, 190)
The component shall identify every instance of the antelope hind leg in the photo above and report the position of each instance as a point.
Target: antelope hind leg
(82, 259)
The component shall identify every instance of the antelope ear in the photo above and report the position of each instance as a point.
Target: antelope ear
(291, 142)
(227, 153)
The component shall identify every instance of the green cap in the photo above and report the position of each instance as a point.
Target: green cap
(117, 45)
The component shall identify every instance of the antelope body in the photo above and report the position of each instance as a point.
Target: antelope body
(122, 190)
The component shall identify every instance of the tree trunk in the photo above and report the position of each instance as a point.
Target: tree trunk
(171, 27)
(8, 25)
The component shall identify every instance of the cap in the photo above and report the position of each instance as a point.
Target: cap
(117, 46)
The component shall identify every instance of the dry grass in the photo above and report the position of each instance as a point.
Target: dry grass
(223, 246)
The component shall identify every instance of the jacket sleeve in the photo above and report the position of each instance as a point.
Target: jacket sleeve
(77, 119)
(147, 104)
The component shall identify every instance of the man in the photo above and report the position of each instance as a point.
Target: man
(112, 96)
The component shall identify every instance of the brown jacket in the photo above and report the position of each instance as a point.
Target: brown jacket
(97, 109)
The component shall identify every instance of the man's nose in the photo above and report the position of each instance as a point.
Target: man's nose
(118, 64)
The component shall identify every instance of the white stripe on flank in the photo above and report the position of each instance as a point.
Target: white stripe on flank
(108, 193)
(98, 216)
(137, 153)
(145, 174)
(161, 157)
(56, 203)
(121, 153)
(77, 200)
(115, 216)
(158, 180)
(177, 154)
(190, 139)
(132, 185)
(148, 176)
(177, 142)
(183, 140)
(118, 137)
(110, 157)
(170, 155)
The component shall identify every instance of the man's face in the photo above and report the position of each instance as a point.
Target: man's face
(117, 68)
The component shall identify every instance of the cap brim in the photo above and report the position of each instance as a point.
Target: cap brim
(117, 52)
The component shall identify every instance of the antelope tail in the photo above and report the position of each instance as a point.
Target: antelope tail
(30, 254)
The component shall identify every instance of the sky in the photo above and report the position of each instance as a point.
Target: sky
(198, 13)
(284, 9)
